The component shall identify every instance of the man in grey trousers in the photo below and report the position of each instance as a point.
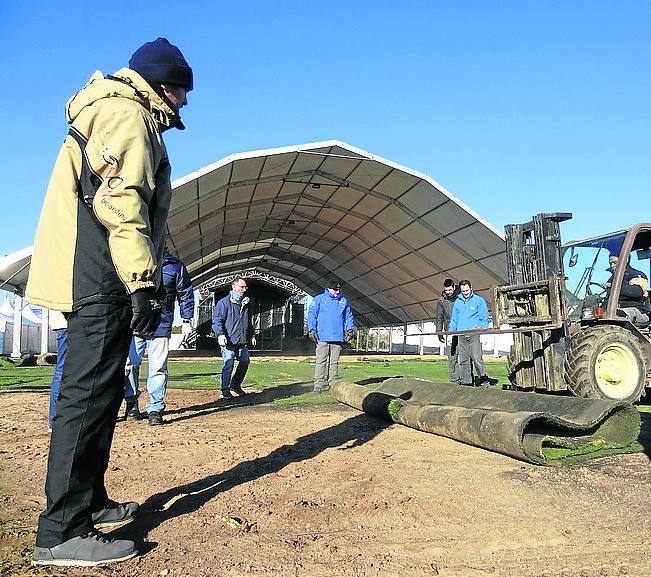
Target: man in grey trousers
(329, 322)
(469, 312)
(443, 316)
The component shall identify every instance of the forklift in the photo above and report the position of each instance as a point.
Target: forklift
(561, 303)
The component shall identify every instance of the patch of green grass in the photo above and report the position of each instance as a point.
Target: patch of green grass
(306, 399)
(264, 374)
(261, 375)
(13, 377)
(292, 379)
(562, 452)
(269, 373)
(295, 376)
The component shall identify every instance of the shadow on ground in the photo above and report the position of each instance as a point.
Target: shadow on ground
(25, 389)
(251, 399)
(645, 433)
(189, 497)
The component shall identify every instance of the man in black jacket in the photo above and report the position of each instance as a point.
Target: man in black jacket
(633, 295)
(443, 315)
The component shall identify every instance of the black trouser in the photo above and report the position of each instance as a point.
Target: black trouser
(89, 399)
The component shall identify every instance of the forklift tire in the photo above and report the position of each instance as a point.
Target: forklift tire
(606, 362)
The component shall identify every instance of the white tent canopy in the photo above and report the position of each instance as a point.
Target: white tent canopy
(8, 312)
(310, 212)
(6, 309)
(14, 269)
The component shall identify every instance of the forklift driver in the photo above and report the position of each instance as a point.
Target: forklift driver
(633, 296)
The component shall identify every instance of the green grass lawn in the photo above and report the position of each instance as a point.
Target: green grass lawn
(13, 377)
(262, 374)
(294, 376)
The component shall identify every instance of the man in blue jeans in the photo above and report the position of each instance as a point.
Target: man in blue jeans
(231, 322)
(59, 324)
(178, 287)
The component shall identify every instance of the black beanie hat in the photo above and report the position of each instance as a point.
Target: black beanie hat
(334, 284)
(162, 62)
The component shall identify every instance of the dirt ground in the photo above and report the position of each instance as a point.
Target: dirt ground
(326, 492)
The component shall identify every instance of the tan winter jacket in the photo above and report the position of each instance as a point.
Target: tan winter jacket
(102, 228)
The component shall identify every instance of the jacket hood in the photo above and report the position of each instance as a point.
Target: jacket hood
(125, 83)
(169, 257)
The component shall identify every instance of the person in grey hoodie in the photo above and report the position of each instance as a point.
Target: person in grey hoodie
(443, 315)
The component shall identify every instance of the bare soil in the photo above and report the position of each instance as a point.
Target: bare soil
(325, 492)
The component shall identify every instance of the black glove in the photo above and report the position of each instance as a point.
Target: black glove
(350, 334)
(312, 335)
(441, 338)
(146, 312)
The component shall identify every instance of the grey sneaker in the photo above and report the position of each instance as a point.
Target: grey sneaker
(88, 550)
(239, 390)
(115, 514)
(226, 395)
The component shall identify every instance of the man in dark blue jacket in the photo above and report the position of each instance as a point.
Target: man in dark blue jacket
(178, 287)
(329, 322)
(634, 293)
(231, 322)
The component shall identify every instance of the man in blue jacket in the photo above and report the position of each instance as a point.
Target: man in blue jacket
(178, 287)
(470, 312)
(329, 322)
(231, 322)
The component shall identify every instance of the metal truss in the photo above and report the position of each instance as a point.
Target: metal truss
(296, 293)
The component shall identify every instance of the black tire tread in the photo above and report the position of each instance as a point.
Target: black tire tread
(578, 373)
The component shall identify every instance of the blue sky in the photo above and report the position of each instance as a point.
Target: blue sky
(515, 107)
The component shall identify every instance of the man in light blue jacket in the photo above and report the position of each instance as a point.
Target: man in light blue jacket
(470, 312)
(329, 322)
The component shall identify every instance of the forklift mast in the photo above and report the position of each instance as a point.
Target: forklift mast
(533, 249)
(534, 302)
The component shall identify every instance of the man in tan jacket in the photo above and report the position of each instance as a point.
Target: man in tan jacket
(97, 256)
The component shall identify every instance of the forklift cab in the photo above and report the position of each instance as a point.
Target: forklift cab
(595, 269)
